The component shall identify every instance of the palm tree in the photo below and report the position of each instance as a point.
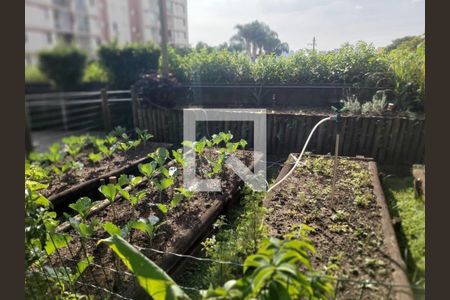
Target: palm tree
(257, 38)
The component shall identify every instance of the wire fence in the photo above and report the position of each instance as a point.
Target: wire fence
(62, 269)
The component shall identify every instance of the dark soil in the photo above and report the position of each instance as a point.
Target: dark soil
(348, 236)
(178, 222)
(91, 170)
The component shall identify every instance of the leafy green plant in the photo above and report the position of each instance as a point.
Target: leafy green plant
(63, 65)
(124, 64)
(352, 105)
(110, 192)
(148, 225)
(151, 278)
(143, 135)
(271, 273)
(178, 155)
(160, 155)
(82, 207)
(375, 107)
(95, 157)
(148, 169)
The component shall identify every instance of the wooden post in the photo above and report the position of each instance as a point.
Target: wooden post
(106, 111)
(62, 103)
(134, 107)
(28, 140)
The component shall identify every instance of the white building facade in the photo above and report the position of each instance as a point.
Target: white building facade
(91, 23)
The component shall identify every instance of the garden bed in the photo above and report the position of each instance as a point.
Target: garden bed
(352, 234)
(80, 182)
(183, 227)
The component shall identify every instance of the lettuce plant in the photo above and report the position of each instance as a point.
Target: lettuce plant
(95, 157)
(143, 135)
(148, 225)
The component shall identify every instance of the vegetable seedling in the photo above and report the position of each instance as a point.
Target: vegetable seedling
(143, 135)
(82, 207)
(148, 225)
(110, 192)
(95, 157)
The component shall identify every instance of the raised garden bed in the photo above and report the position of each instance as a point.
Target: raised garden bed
(80, 182)
(184, 226)
(353, 233)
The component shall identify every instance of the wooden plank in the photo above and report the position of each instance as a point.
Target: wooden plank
(376, 138)
(385, 141)
(362, 137)
(400, 138)
(415, 141)
(390, 158)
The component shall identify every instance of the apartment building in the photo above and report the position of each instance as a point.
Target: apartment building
(90, 23)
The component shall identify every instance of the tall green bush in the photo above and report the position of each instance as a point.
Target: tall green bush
(34, 75)
(63, 65)
(215, 66)
(125, 64)
(408, 69)
(95, 73)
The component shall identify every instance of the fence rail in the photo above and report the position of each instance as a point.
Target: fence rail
(81, 111)
(389, 140)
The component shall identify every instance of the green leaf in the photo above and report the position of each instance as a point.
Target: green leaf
(56, 241)
(95, 157)
(147, 169)
(109, 191)
(163, 208)
(151, 278)
(123, 180)
(82, 206)
(178, 155)
(112, 229)
(135, 180)
(176, 200)
(165, 183)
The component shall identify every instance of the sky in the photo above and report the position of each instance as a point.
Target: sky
(332, 22)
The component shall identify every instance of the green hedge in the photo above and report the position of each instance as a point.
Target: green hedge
(64, 66)
(359, 65)
(125, 64)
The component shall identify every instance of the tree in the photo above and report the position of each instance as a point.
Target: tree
(63, 65)
(257, 38)
(407, 42)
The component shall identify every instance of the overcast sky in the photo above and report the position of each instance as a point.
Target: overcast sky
(332, 22)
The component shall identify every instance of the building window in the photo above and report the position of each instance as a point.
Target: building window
(92, 2)
(26, 38)
(115, 26)
(49, 38)
(99, 41)
(46, 14)
(170, 33)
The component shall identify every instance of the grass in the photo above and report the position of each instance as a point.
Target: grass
(235, 236)
(411, 233)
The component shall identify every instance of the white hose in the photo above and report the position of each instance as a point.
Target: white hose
(301, 154)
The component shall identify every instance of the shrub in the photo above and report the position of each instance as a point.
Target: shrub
(124, 65)
(376, 106)
(408, 68)
(34, 75)
(270, 69)
(215, 66)
(63, 65)
(95, 73)
(352, 105)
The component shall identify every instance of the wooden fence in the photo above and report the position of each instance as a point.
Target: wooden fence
(391, 141)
